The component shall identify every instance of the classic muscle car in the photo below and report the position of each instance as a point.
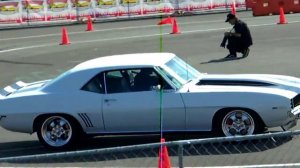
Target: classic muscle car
(121, 95)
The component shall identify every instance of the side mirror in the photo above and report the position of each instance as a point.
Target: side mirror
(156, 88)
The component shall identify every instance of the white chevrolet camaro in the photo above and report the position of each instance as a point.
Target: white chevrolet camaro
(129, 94)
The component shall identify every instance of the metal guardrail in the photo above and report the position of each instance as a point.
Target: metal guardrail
(177, 149)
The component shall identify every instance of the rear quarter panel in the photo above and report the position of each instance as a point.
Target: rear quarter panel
(21, 111)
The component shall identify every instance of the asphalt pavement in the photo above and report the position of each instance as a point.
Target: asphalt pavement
(35, 54)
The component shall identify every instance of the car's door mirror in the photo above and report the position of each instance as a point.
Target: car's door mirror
(156, 88)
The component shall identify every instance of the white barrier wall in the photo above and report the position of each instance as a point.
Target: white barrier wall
(19, 11)
(10, 11)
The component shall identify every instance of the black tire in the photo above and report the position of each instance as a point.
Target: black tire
(222, 116)
(62, 127)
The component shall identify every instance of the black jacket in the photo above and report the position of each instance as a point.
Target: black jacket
(242, 28)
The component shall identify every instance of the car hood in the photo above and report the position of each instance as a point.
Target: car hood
(260, 80)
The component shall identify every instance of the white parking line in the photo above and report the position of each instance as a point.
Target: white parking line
(255, 166)
(129, 27)
(150, 35)
(23, 48)
(102, 30)
(164, 34)
(108, 39)
(133, 37)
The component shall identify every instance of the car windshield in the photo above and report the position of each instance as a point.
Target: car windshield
(179, 72)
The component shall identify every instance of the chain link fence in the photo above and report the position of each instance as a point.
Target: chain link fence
(225, 151)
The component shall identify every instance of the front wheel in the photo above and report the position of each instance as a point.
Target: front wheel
(57, 132)
(238, 122)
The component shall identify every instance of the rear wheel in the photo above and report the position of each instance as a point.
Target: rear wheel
(237, 122)
(57, 132)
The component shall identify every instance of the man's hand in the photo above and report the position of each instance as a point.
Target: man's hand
(227, 34)
(223, 45)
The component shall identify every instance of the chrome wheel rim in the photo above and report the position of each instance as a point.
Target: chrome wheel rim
(56, 131)
(238, 122)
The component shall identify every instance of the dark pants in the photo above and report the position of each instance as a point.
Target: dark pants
(234, 45)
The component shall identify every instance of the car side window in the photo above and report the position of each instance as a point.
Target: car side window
(145, 79)
(96, 84)
(133, 80)
(117, 81)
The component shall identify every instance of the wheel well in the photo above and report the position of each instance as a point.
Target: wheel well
(224, 110)
(38, 118)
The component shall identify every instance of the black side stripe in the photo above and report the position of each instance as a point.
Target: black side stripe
(89, 120)
(85, 118)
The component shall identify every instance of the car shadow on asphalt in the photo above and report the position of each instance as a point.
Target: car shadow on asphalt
(110, 154)
(26, 63)
(20, 148)
(220, 60)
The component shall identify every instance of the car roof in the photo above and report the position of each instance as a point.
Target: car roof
(139, 59)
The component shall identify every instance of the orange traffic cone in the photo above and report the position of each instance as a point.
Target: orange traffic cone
(19, 21)
(165, 21)
(175, 29)
(282, 16)
(89, 26)
(233, 9)
(64, 37)
(164, 160)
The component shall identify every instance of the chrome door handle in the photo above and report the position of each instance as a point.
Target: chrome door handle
(109, 100)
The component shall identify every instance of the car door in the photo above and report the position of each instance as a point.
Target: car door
(89, 106)
(128, 108)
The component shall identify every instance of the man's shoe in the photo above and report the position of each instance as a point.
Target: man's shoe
(246, 53)
(230, 56)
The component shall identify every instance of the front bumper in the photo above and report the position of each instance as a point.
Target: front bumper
(292, 120)
(289, 125)
(296, 111)
(293, 116)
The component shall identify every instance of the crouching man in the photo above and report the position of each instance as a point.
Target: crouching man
(238, 39)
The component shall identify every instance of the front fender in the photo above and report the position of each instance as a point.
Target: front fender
(201, 107)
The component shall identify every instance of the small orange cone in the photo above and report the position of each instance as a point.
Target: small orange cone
(19, 21)
(282, 19)
(175, 29)
(89, 26)
(164, 160)
(233, 9)
(167, 20)
(64, 37)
